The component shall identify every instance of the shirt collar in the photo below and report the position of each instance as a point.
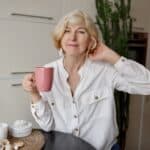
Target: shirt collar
(82, 71)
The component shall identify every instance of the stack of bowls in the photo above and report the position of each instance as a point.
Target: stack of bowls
(21, 128)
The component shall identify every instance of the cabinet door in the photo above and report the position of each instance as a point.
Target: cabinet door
(48, 8)
(14, 104)
(25, 45)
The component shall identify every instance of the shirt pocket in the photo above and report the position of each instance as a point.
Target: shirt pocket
(95, 103)
(96, 96)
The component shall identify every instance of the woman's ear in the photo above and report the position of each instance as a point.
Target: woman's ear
(92, 44)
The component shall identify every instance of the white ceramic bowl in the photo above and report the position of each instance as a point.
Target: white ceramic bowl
(21, 128)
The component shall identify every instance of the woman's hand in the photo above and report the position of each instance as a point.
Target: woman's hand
(28, 84)
(104, 53)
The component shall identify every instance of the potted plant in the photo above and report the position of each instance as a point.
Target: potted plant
(114, 20)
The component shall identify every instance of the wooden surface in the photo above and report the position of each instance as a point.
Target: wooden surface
(35, 141)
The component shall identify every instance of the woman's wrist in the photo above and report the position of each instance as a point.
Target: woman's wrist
(112, 57)
(35, 97)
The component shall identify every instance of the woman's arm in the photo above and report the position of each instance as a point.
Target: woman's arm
(42, 113)
(127, 75)
(131, 77)
(39, 104)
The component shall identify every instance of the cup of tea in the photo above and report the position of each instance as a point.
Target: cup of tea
(44, 78)
(3, 131)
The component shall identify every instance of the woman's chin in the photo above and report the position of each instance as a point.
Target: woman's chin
(74, 54)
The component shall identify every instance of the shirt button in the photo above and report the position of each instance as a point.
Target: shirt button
(96, 97)
(76, 129)
(75, 116)
(76, 132)
(123, 59)
(73, 102)
(52, 104)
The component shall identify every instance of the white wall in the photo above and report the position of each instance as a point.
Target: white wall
(140, 11)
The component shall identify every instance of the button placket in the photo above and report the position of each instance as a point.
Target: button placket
(75, 118)
(52, 103)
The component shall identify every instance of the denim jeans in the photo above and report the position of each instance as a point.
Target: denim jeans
(116, 147)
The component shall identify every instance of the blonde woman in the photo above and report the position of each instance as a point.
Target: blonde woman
(81, 101)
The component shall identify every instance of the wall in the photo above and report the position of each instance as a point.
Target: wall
(140, 11)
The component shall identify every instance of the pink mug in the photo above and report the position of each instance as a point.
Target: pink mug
(44, 78)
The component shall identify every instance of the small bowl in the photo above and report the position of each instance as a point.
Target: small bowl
(21, 128)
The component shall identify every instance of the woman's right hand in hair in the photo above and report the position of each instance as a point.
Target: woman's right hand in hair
(29, 85)
(104, 53)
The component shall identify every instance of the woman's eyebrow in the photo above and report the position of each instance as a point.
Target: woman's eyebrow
(82, 28)
(68, 27)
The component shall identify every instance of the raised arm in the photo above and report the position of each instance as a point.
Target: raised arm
(126, 75)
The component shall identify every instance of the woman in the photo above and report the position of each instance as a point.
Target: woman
(81, 101)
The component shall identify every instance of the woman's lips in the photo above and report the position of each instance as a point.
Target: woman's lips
(72, 45)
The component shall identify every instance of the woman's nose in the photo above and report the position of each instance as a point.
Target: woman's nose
(73, 36)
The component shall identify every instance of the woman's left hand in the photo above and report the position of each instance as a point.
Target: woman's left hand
(104, 53)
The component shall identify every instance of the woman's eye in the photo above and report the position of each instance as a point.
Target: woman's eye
(66, 31)
(82, 32)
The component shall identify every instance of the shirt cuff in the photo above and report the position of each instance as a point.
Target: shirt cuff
(120, 63)
(37, 105)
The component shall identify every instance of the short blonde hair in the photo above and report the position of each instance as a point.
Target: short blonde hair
(75, 17)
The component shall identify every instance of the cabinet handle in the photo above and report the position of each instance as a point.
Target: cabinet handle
(21, 72)
(16, 84)
(31, 16)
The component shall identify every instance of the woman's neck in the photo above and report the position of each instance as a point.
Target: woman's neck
(73, 64)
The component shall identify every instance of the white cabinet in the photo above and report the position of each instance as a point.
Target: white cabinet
(24, 45)
(47, 8)
(14, 103)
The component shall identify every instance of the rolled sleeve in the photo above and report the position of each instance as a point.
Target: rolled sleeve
(131, 77)
(120, 63)
(42, 114)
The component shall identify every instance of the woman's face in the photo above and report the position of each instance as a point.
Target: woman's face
(75, 40)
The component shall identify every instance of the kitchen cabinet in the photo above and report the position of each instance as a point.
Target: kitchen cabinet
(14, 103)
(47, 8)
(24, 43)
(23, 46)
